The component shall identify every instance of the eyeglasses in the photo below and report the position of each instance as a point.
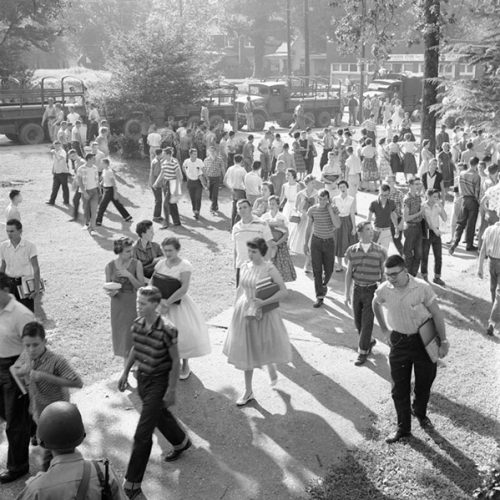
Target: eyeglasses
(395, 274)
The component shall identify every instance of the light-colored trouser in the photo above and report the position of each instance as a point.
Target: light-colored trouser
(385, 237)
(353, 181)
(90, 207)
(250, 122)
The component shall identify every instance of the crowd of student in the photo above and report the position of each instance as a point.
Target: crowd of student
(279, 210)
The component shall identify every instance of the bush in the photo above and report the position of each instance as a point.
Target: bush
(126, 147)
(490, 489)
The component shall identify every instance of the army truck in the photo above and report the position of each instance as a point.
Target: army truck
(276, 101)
(22, 107)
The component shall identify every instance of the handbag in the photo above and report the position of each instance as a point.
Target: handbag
(294, 217)
(266, 288)
(167, 285)
(430, 339)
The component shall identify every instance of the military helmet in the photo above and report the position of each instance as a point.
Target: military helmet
(60, 427)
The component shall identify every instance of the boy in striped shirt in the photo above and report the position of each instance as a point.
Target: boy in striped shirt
(49, 375)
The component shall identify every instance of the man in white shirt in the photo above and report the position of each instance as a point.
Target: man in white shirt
(88, 183)
(353, 174)
(154, 141)
(235, 181)
(253, 183)
(98, 157)
(72, 117)
(18, 260)
(276, 150)
(77, 139)
(93, 125)
(246, 229)
(12, 211)
(193, 168)
(15, 405)
(264, 147)
(60, 174)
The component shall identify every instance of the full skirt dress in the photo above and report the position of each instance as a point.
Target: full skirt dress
(252, 342)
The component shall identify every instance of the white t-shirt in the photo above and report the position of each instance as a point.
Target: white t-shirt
(242, 233)
(353, 163)
(193, 169)
(343, 204)
(12, 212)
(253, 184)
(235, 177)
(108, 178)
(154, 140)
(72, 118)
(18, 259)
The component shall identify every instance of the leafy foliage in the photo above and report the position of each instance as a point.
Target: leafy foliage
(490, 489)
(25, 24)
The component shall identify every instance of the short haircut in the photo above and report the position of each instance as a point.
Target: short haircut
(275, 198)
(238, 158)
(361, 226)
(277, 136)
(193, 150)
(171, 241)
(258, 244)
(346, 184)
(269, 186)
(15, 222)
(474, 161)
(368, 142)
(120, 244)
(56, 142)
(309, 178)
(151, 293)
(394, 261)
(105, 161)
(243, 202)
(292, 172)
(250, 137)
(286, 145)
(256, 165)
(382, 141)
(324, 193)
(385, 187)
(407, 136)
(350, 150)
(158, 152)
(13, 193)
(33, 329)
(78, 122)
(89, 156)
(470, 145)
(72, 151)
(170, 151)
(492, 169)
(296, 135)
(395, 138)
(411, 182)
(142, 227)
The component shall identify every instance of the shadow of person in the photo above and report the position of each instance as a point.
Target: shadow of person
(458, 468)
(464, 416)
(330, 394)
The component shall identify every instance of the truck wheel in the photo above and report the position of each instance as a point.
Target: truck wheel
(285, 120)
(132, 129)
(259, 121)
(215, 120)
(309, 119)
(12, 137)
(324, 119)
(31, 133)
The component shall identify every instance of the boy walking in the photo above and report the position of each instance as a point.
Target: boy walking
(155, 352)
(48, 374)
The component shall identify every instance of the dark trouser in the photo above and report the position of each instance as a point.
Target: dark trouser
(324, 158)
(352, 116)
(407, 351)
(145, 145)
(77, 147)
(13, 284)
(322, 260)
(467, 217)
(309, 163)
(92, 131)
(151, 390)
(437, 250)
(195, 190)
(495, 290)
(237, 277)
(158, 194)
(109, 193)
(230, 159)
(413, 247)
(238, 194)
(76, 203)
(265, 165)
(60, 180)
(170, 209)
(362, 298)
(14, 410)
(213, 192)
(397, 241)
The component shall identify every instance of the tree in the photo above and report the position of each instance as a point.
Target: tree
(153, 66)
(476, 101)
(259, 21)
(25, 24)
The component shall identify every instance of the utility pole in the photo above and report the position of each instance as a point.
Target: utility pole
(362, 60)
(307, 68)
(288, 43)
(181, 9)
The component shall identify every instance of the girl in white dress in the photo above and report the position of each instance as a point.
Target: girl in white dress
(256, 338)
(193, 340)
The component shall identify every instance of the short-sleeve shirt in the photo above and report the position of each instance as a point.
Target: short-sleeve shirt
(382, 214)
(406, 308)
(18, 259)
(242, 233)
(322, 222)
(492, 196)
(43, 393)
(12, 212)
(13, 317)
(193, 169)
(147, 255)
(491, 241)
(414, 205)
(366, 266)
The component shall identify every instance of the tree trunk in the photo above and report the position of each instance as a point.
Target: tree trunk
(431, 18)
(259, 52)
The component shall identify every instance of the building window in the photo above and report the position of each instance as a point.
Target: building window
(466, 69)
(408, 67)
(335, 68)
(396, 67)
(353, 68)
(344, 67)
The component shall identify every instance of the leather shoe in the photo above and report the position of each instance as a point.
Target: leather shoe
(361, 359)
(175, 454)
(490, 330)
(472, 249)
(397, 436)
(244, 400)
(7, 476)
(318, 303)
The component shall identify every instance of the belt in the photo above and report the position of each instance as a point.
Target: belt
(383, 228)
(405, 334)
(17, 281)
(323, 239)
(365, 286)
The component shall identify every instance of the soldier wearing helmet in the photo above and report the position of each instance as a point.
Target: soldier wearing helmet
(60, 429)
